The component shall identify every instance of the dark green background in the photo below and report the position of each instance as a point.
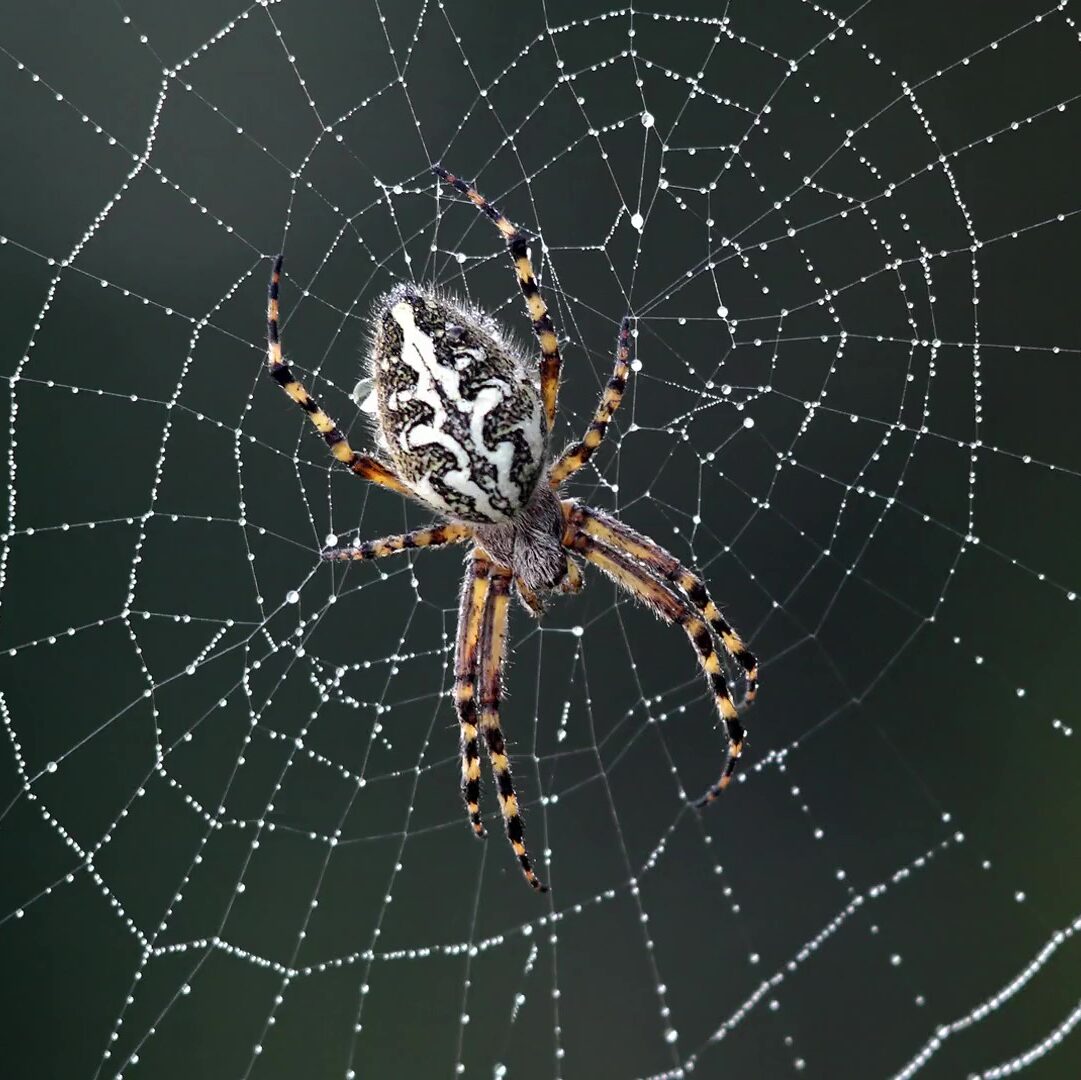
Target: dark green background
(875, 718)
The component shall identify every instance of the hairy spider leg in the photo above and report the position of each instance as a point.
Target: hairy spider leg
(535, 305)
(492, 647)
(435, 536)
(613, 532)
(282, 374)
(470, 619)
(577, 454)
(529, 597)
(638, 581)
(574, 581)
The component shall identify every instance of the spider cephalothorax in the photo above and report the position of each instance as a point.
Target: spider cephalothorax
(466, 429)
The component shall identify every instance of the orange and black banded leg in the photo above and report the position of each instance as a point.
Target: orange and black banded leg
(576, 455)
(436, 536)
(470, 625)
(492, 649)
(282, 374)
(638, 581)
(617, 535)
(527, 280)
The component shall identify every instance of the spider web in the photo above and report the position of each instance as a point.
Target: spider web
(231, 832)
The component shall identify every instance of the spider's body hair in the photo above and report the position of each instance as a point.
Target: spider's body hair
(461, 420)
(531, 543)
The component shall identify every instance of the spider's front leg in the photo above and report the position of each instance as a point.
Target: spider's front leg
(362, 464)
(577, 454)
(518, 247)
(436, 536)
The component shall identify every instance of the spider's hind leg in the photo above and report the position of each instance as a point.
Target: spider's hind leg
(470, 620)
(490, 666)
(673, 608)
(610, 530)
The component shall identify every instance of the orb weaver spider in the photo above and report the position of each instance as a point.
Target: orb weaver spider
(467, 429)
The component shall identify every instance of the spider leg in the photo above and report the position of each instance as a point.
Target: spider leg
(535, 305)
(665, 565)
(671, 607)
(470, 618)
(492, 647)
(530, 600)
(282, 374)
(390, 545)
(576, 455)
(574, 581)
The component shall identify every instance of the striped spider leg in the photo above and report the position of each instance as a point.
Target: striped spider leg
(653, 574)
(433, 536)
(490, 677)
(518, 247)
(577, 454)
(615, 557)
(663, 564)
(478, 688)
(471, 610)
(282, 374)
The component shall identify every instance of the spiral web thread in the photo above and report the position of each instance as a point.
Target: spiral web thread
(677, 401)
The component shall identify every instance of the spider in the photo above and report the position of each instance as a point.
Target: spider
(467, 428)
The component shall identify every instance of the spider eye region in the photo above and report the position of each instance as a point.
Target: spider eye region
(463, 426)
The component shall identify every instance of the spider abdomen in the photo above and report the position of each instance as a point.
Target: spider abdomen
(463, 425)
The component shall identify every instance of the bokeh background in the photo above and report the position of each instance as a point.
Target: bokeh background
(230, 834)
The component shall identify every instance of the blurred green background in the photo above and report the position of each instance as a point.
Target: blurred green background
(231, 839)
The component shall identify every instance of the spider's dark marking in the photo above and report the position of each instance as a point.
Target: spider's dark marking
(703, 642)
